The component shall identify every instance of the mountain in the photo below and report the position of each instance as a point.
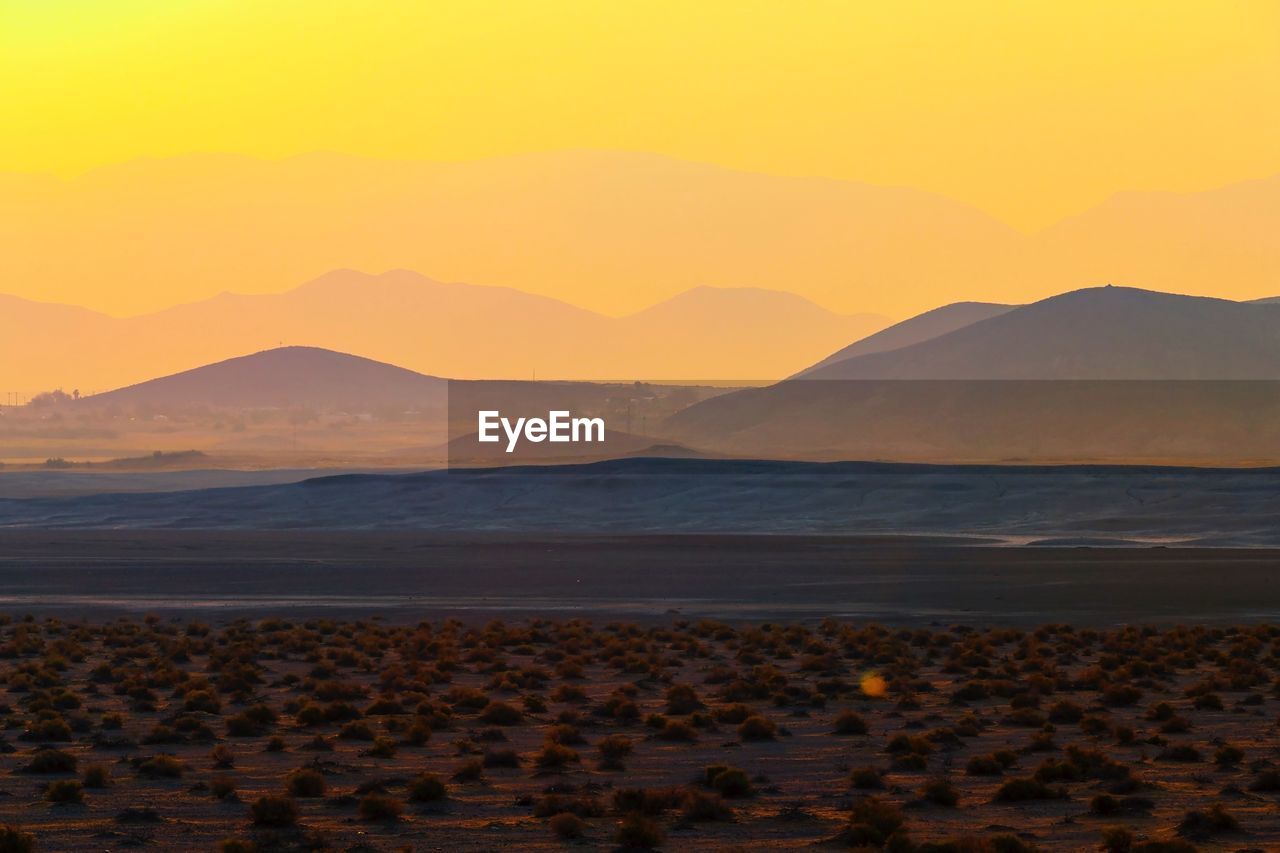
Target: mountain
(922, 327)
(41, 342)
(288, 377)
(1095, 333)
(608, 230)
(612, 231)
(979, 393)
(457, 330)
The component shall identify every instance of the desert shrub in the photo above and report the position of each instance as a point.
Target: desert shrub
(941, 792)
(501, 714)
(682, 699)
(1117, 839)
(1065, 711)
(237, 845)
(384, 707)
(243, 725)
(850, 723)
(872, 822)
(418, 733)
(867, 778)
(275, 743)
(615, 747)
(567, 825)
(202, 701)
(1207, 702)
(984, 765)
(356, 730)
(379, 807)
(222, 786)
(1029, 717)
(161, 767)
(731, 714)
(1184, 753)
(383, 747)
(64, 791)
(650, 801)
(471, 770)
(703, 806)
(1094, 725)
(1201, 824)
(757, 728)
(554, 804)
(565, 734)
(638, 832)
(1227, 755)
(306, 782)
(1121, 695)
(222, 756)
(274, 811)
(51, 728)
(555, 755)
(1021, 790)
(427, 788)
(677, 730)
(1267, 780)
(97, 776)
(501, 758)
(910, 762)
(729, 781)
(51, 761)
(569, 693)
(14, 840)
(903, 743)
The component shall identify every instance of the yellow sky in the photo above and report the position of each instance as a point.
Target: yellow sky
(1030, 110)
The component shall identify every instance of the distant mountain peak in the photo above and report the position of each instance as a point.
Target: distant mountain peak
(1101, 332)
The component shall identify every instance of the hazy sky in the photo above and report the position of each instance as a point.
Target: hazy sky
(1030, 110)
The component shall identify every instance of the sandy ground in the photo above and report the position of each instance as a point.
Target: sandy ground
(369, 708)
(406, 575)
(1065, 505)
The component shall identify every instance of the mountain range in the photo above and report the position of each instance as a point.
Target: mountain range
(1199, 381)
(1094, 333)
(610, 231)
(454, 330)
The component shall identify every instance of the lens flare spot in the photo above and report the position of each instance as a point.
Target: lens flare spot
(873, 684)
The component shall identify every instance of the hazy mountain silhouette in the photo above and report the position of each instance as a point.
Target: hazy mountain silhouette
(1095, 333)
(611, 231)
(978, 393)
(455, 330)
(284, 378)
(922, 327)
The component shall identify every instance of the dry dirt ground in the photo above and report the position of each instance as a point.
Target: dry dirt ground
(317, 734)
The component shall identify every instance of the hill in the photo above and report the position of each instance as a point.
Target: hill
(922, 327)
(286, 377)
(1095, 333)
(456, 330)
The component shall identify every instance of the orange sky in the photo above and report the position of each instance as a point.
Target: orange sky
(1028, 111)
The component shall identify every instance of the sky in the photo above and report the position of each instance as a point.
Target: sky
(1031, 111)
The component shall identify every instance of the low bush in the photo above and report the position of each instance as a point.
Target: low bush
(276, 812)
(64, 791)
(379, 807)
(306, 782)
